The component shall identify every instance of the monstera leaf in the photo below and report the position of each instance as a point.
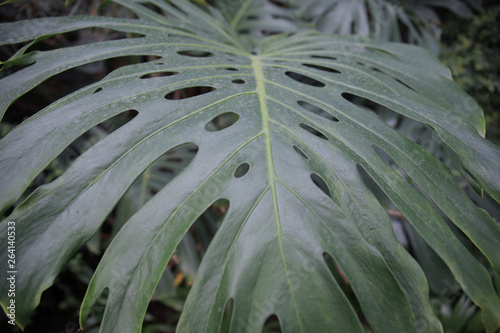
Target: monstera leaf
(299, 141)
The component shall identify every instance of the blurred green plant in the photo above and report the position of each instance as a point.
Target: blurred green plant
(409, 21)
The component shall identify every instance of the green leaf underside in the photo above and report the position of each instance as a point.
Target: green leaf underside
(268, 253)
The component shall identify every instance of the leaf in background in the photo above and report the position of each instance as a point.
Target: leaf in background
(415, 22)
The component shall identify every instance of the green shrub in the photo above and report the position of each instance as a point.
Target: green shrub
(471, 48)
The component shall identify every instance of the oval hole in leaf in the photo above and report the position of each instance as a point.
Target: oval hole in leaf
(322, 68)
(270, 32)
(313, 131)
(189, 92)
(323, 57)
(304, 79)
(241, 170)
(392, 77)
(300, 152)
(118, 62)
(157, 74)
(321, 184)
(283, 17)
(316, 110)
(272, 324)
(195, 53)
(390, 117)
(222, 121)
(238, 81)
(97, 90)
(231, 69)
(404, 84)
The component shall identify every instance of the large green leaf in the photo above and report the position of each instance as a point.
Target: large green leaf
(290, 167)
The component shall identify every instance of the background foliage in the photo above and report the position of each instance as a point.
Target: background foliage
(471, 49)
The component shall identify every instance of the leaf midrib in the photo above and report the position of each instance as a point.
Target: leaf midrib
(261, 93)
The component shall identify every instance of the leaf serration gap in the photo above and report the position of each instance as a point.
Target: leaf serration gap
(189, 92)
(300, 152)
(222, 121)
